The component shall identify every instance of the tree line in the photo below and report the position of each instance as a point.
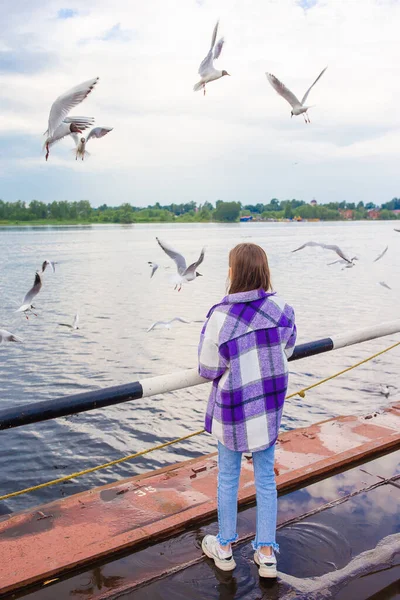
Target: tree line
(82, 211)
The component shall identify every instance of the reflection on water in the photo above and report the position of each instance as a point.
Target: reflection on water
(323, 542)
(103, 274)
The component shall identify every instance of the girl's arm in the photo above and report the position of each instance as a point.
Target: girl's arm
(291, 341)
(289, 333)
(211, 363)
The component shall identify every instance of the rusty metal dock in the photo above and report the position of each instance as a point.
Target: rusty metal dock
(54, 539)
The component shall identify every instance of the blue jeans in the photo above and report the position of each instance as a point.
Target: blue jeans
(229, 463)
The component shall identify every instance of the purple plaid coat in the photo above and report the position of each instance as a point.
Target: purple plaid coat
(244, 346)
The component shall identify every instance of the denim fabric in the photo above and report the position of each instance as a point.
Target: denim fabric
(229, 463)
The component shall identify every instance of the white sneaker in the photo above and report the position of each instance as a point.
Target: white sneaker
(212, 549)
(266, 564)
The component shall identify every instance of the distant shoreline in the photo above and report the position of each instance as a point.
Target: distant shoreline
(72, 223)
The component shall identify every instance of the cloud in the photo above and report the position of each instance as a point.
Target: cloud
(67, 13)
(307, 4)
(24, 61)
(117, 34)
(236, 143)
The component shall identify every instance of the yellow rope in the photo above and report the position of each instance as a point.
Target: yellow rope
(302, 392)
(92, 469)
(181, 439)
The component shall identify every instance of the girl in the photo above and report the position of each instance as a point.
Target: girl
(243, 349)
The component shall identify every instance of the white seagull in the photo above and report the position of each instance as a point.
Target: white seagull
(6, 336)
(81, 143)
(75, 324)
(63, 105)
(49, 263)
(298, 108)
(385, 285)
(344, 262)
(207, 70)
(381, 254)
(33, 292)
(154, 266)
(70, 126)
(185, 274)
(349, 261)
(385, 389)
(167, 324)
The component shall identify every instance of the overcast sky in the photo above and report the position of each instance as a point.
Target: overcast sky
(170, 144)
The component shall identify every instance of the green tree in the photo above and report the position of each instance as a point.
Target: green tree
(227, 211)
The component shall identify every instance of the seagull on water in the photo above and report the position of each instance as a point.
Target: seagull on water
(27, 305)
(59, 126)
(298, 108)
(381, 254)
(6, 336)
(339, 252)
(81, 143)
(385, 389)
(75, 324)
(167, 324)
(154, 266)
(207, 71)
(185, 274)
(49, 263)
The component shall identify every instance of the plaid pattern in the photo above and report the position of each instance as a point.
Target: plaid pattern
(244, 346)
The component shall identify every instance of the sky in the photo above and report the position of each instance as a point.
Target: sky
(170, 144)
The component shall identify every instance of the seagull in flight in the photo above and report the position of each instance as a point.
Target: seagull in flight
(185, 274)
(70, 126)
(167, 324)
(381, 254)
(81, 143)
(298, 108)
(27, 305)
(49, 263)
(6, 336)
(398, 230)
(344, 262)
(207, 71)
(385, 285)
(342, 255)
(154, 266)
(75, 324)
(60, 110)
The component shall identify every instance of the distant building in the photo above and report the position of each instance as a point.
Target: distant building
(346, 213)
(313, 202)
(373, 214)
(396, 211)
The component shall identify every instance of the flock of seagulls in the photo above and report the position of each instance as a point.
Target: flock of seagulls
(27, 307)
(61, 124)
(343, 258)
(184, 274)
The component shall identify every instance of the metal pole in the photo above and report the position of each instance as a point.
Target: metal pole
(69, 405)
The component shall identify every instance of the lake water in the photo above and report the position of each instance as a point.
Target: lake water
(103, 274)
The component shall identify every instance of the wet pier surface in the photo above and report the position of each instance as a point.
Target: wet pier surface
(53, 539)
(339, 538)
